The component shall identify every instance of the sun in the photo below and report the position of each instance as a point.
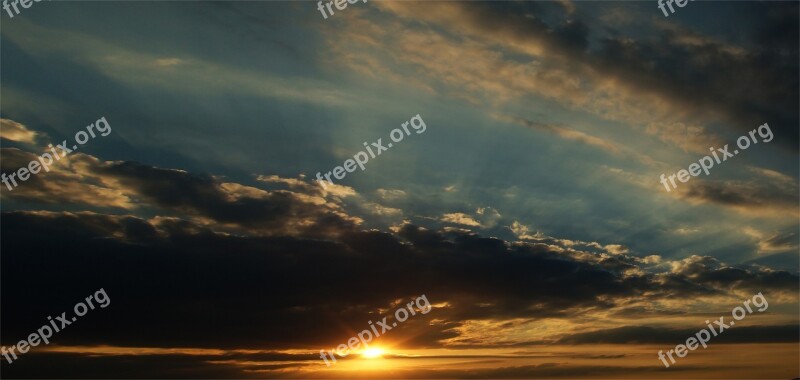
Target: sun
(372, 353)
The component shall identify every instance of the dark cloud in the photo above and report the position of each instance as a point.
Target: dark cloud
(176, 284)
(782, 240)
(280, 212)
(662, 335)
(79, 366)
(748, 87)
(710, 272)
(84, 180)
(705, 79)
(746, 195)
(229, 366)
(227, 265)
(184, 280)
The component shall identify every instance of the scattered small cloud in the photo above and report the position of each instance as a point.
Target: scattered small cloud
(168, 62)
(460, 218)
(391, 195)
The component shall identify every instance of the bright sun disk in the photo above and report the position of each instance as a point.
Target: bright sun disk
(371, 353)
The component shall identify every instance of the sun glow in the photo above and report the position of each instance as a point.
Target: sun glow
(372, 353)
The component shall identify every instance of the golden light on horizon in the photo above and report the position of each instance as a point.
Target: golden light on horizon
(372, 353)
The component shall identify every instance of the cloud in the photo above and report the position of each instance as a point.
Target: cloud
(662, 335)
(380, 210)
(522, 231)
(234, 365)
(300, 184)
(770, 194)
(230, 204)
(168, 62)
(686, 230)
(391, 195)
(197, 273)
(11, 130)
(488, 216)
(674, 82)
(485, 217)
(79, 365)
(85, 180)
(754, 197)
(212, 251)
(688, 136)
(616, 249)
(709, 271)
(69, 181)
(568, 134)
(773, 243)
(460, 218)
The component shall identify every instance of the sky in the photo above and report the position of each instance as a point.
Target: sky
(525, 203)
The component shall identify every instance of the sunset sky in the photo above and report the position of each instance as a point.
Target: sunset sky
(529, 212)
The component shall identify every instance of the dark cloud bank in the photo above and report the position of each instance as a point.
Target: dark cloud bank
(176, 283)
